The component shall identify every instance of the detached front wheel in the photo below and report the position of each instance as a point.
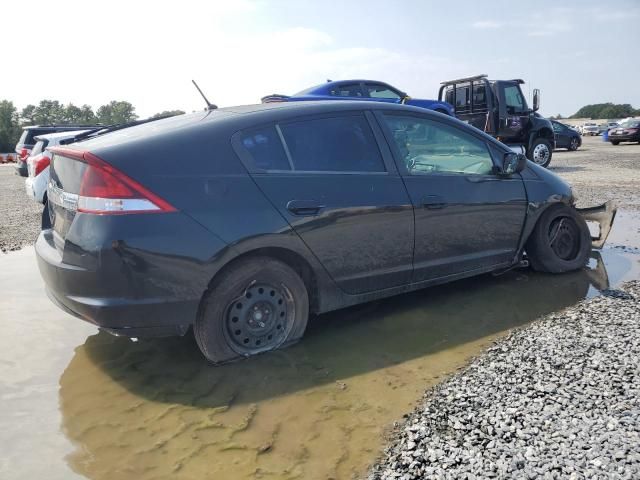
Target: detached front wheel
(258, 305)
(560, 241)
(540, 152)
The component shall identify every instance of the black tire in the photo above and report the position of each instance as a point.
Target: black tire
(46, 220)
(227, 327)
(615, 142)
(574, 144)
(540, 152)
(560, 241)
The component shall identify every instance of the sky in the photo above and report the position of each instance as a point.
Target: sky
(145, 52)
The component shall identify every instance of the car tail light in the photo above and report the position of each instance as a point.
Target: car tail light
(105, 190)
(39, 164)
(24, 153)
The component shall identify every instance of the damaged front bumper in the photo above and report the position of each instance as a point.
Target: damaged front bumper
(603, 214)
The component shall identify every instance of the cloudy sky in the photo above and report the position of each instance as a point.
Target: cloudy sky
(240, 50)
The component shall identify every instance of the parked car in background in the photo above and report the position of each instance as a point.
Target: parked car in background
(279, 211)
(38, 167)
(360, 90)
(565, 136)
(27, 141)
(605, 127)
(589, 128)
(628, 131)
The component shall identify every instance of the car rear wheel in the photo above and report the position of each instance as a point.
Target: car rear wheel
(540, 152)
(257, 305)
(560, 241)
(575, 143)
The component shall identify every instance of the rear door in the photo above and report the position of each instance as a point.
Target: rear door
(343, 196)
(467, 218)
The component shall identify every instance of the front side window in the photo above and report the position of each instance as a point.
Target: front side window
(337, 144)
(375, 90)
(513, 99)
(349, 90)
(557, 127)
(427, 147)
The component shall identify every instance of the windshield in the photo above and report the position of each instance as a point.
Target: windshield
(633, 123)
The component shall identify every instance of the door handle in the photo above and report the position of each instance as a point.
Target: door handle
(433, 202)
(304, 207)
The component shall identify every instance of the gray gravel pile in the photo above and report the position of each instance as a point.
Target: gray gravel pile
(20, 217)
(559, 399)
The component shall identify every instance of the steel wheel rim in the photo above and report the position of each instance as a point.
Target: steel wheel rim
(259, 319)
(540, 154)
(564, 238)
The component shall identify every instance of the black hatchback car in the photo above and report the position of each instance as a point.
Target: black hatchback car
(241, 222)
(566, 137)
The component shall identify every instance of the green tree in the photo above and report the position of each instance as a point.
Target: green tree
(605, 110)
(79, 115)
(116, 112)
(48, 112)
(28, 115)
(168, 113)
(9, 126)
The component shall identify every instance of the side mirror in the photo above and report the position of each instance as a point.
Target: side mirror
(536, 99)
(513, 163)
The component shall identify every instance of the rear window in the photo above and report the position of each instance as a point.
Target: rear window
(27, 135)
(338, 144)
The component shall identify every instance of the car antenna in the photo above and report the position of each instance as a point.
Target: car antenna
(210, 106)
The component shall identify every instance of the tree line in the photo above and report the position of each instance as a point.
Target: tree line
(606, 110)
(48, 112)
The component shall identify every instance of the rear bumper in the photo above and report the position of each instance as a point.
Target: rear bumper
(115, 299)
(624, 138)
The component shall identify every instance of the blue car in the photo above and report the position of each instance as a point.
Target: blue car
(360, 90)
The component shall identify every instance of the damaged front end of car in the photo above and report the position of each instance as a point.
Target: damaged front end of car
(603, 215)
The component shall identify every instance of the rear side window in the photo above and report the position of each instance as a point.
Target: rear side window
(350, 90)
(338, 144)
(381, 91)
(266, 150)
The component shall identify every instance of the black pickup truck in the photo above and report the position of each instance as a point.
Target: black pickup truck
(499, 108)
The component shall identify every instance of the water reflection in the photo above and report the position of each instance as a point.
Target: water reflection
(156, 409)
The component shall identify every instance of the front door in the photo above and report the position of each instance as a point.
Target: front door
(328, 178)
(467, 218)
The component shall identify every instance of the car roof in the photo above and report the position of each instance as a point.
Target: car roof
(59, 135)
(243, 117)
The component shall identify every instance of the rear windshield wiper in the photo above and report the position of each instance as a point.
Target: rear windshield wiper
(96, 132)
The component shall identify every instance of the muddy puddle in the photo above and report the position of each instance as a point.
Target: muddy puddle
(86, 404)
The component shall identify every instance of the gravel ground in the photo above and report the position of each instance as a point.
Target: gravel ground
(20, 217)
(599, 171)
(559, 399)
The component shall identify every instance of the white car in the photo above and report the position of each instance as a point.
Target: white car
(589, 128)
(38, 163)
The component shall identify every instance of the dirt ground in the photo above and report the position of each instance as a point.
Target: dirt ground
(600, 171)
(20, 217)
